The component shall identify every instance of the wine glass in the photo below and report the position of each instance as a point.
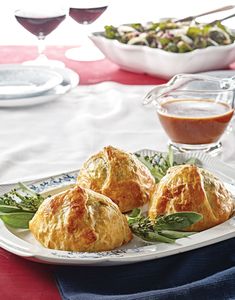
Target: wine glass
(85, 13)
(41, 20)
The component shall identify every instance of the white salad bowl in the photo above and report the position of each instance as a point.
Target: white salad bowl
(157, 62)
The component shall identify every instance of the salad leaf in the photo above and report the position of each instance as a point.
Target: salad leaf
(111, 32)
(194, 32)
(153, 26)
(184, 47)
(200, 42)
(168, 25)
(226, 30)
(219, 36)
(138, 26)
(171, 47)
(164, 41)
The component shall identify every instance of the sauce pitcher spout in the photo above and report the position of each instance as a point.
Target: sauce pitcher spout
(154, 94)
(162, 89)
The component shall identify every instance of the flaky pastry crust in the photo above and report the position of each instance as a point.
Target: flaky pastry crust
(80, 220)
(118, 175)
(189, 188)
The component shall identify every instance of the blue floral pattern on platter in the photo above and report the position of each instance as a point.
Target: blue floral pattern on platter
(55, 181)
(92, 255)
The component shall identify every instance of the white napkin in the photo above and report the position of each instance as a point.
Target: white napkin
(58, 136)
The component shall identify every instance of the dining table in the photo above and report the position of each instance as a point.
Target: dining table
(42, 140)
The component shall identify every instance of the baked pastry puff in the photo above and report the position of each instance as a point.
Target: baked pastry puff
(189, 188)
(118, 175)
(80, 220)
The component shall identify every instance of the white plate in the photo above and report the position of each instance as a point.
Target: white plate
(70, 79)
(17, 81)
(143, 59)
(22, 243)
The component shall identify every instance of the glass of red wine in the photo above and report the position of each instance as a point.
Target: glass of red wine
(85, 13)
(41, 21)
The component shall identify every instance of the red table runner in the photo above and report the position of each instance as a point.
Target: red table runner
(90, 72)
(21, 279)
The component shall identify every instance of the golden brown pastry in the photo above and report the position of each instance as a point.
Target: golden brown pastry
(80, 220)
(118, 175)
(189, 188)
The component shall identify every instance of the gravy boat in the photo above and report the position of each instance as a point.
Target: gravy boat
(194, 110)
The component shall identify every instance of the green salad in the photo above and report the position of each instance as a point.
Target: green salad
(178, 37)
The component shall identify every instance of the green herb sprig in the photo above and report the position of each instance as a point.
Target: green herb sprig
(18, 206)
(164, 229)
(159, 163)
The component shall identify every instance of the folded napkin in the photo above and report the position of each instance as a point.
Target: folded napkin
(205, 273)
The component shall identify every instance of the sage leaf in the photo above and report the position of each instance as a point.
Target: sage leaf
(177, 221)
(8, 208)
(157, 237)
(172, 234)
(17, 219)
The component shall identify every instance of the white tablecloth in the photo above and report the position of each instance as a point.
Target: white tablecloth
(58, 136)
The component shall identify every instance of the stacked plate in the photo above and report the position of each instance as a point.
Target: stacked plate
(29, 85)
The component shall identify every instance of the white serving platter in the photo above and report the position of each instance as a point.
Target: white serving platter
(22, 242)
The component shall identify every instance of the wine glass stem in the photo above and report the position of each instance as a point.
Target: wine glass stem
(41, 46)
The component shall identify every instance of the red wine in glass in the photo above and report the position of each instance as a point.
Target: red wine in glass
(86, 15)
(41, 22)
(40, 25)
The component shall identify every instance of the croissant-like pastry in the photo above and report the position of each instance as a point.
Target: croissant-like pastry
(189, 188)
(118, 175)
(80, 220)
